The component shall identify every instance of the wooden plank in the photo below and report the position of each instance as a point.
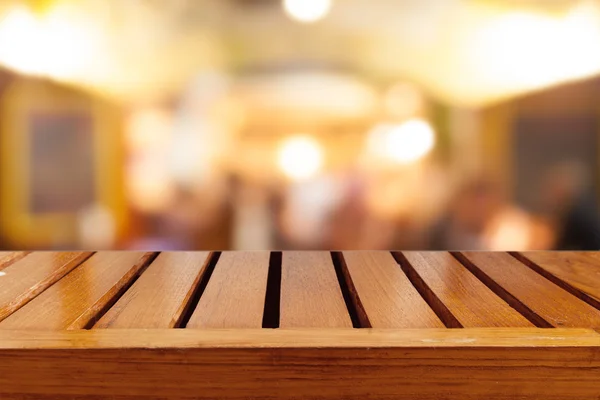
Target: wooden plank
(235, 294)
(349, 364)
(581, 270)
(332, 338)
(159, 297)
(28, 277)
(385, 293)
(310, 292)
(74, 301)
(9, 257)
(511, 278)
(465, 297)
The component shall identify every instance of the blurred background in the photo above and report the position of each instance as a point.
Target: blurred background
(299, 124)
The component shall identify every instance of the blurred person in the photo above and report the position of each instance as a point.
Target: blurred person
(179, 226)
(306, 210)
(378, 234)
(395, 233)
(463, 225)
(253, 220)
(346, 221)
(569, 199)
(480, 218)
(198, 219)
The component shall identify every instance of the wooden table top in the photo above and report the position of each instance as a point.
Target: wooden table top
(307, 313)
(252, 290)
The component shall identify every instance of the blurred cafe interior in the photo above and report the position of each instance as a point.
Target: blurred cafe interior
(299, 124)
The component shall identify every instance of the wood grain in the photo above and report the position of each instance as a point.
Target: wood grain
(321, 357)
(581, 270)
(484, 338)
(386, 294)
(25, 279)
(9, 257)
(76, 299)
(536, 293)
(348, 364)
(467, 298)
(235, 294)
(310, 292)
(159, 297)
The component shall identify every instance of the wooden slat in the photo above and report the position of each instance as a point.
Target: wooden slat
(464, 296)
(235, 294)
(28, 277)
(581, 270)
(159, 297)
(330, 338)
(310, 292)
(76, 299)
(385, 293)
(9, 257)
(353, 364)
(548, 301)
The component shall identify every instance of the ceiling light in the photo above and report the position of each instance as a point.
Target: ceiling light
(307, 11)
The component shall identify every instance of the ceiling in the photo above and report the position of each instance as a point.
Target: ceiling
(467, 52)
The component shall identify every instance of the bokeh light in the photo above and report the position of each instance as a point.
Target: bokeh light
(148, 179)
(404, 143)
(55, 44)
(386, 124)
(300, 157)
(307, 10)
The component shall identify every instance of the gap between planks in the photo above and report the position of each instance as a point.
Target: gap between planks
(501, 292)
(146, 260)
(556, 280)
(352, 301)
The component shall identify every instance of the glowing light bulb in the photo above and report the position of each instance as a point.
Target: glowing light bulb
(307, 11)
(300, 157)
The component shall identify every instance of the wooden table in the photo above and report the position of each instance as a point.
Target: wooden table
(299, 325)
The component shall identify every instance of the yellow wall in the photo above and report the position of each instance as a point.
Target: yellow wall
(18, 225)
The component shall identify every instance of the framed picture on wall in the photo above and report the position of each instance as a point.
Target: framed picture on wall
(61, 166)
(60, 154)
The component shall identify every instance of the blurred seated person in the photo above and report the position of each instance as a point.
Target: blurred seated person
(479, 218)
(463, 224)
(571, 203)
(345, 222)
(199, 219)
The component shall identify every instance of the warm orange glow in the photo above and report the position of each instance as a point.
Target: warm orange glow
(307, 10)
(403, 100)
(510, 231)
(149, 184)
(55, 44)
(402, 144)
(300, 157)
(149, 128)
(520, 49)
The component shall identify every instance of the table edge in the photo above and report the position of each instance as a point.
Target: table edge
(298, 338)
